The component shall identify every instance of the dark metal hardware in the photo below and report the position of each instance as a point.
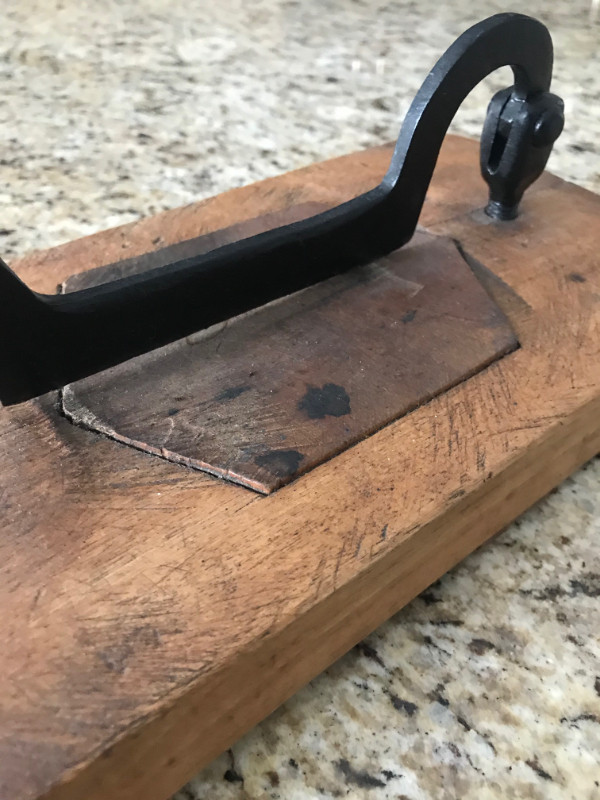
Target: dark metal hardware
(516, 142)
(50, 340)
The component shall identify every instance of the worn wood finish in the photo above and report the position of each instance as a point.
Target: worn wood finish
(266, 397)
(152, 614)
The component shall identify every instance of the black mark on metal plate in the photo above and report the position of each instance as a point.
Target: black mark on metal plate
(281, 463)
(409, 316)
(231, 393)
(330, 400)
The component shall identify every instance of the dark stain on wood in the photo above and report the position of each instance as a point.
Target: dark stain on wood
(116, 656)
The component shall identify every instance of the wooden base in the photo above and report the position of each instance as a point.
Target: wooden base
(152, 614)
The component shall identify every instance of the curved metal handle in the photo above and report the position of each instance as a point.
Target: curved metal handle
(50, 340)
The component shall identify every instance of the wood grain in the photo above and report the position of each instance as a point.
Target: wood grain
(153, 614)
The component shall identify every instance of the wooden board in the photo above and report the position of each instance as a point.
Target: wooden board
(152, 614)
(267, 396)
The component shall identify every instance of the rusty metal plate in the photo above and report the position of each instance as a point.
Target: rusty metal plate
(265, 397)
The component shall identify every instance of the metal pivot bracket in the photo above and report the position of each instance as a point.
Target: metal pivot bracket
(49, 341)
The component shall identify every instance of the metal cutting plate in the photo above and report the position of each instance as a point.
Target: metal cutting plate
(263, 398)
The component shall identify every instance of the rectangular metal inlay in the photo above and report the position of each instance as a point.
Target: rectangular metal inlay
(271, 394)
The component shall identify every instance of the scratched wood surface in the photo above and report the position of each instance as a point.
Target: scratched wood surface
(263, 398)
(152, 614)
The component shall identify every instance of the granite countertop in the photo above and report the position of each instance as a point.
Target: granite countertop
(488, 684)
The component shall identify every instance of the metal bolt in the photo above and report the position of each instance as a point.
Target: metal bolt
(548, 128)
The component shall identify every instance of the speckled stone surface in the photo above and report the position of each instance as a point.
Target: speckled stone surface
(488, 684)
